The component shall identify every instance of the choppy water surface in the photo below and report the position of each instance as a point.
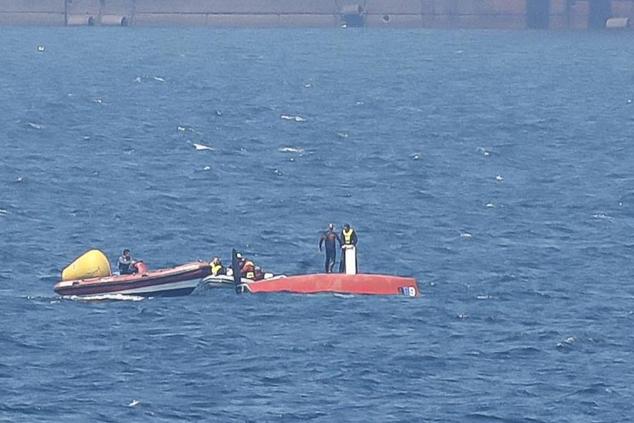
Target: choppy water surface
(495, 167)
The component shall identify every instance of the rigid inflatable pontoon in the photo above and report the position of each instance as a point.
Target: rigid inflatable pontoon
(227, 281)
(90, 275)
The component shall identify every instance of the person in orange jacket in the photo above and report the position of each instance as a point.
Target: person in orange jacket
(247, 267)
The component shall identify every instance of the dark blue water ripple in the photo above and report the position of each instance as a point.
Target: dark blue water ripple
(495, 167)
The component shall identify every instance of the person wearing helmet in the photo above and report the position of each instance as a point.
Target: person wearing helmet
(330, 238)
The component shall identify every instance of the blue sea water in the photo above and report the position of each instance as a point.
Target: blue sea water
(495, 167)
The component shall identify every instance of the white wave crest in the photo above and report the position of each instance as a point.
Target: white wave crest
(294, 118)
(147, 78)
(202, 147)
(567, 343)
(291, 150)
(484, 151)
(106, 297)
(602, 216)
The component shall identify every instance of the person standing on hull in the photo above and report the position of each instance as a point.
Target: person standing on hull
(349, 237)
(330, 238)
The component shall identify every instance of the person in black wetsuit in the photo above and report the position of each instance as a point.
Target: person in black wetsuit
(330, 238)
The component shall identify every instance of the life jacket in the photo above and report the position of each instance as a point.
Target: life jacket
(347, 236)
(125, 266)
(217, 269)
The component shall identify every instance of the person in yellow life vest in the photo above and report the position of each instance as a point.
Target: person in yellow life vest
(348, 237)
(217, 268)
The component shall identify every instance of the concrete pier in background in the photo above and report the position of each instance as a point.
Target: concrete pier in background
(498, 14)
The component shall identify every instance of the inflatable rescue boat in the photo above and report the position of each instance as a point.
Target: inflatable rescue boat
(349, 282)
(90, 275)
(227, 280)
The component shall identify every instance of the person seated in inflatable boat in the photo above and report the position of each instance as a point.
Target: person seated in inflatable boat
(127, 266)
(258, 274)
(248, 269)
(217, 268)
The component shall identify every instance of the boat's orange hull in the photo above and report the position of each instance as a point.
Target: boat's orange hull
(368, 284)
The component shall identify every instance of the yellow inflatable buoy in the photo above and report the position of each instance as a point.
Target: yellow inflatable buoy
(92, 264)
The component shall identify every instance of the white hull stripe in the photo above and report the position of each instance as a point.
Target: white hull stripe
(224, 279)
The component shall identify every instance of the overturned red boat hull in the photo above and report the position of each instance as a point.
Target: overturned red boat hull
(180, 280)
(366, 284)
